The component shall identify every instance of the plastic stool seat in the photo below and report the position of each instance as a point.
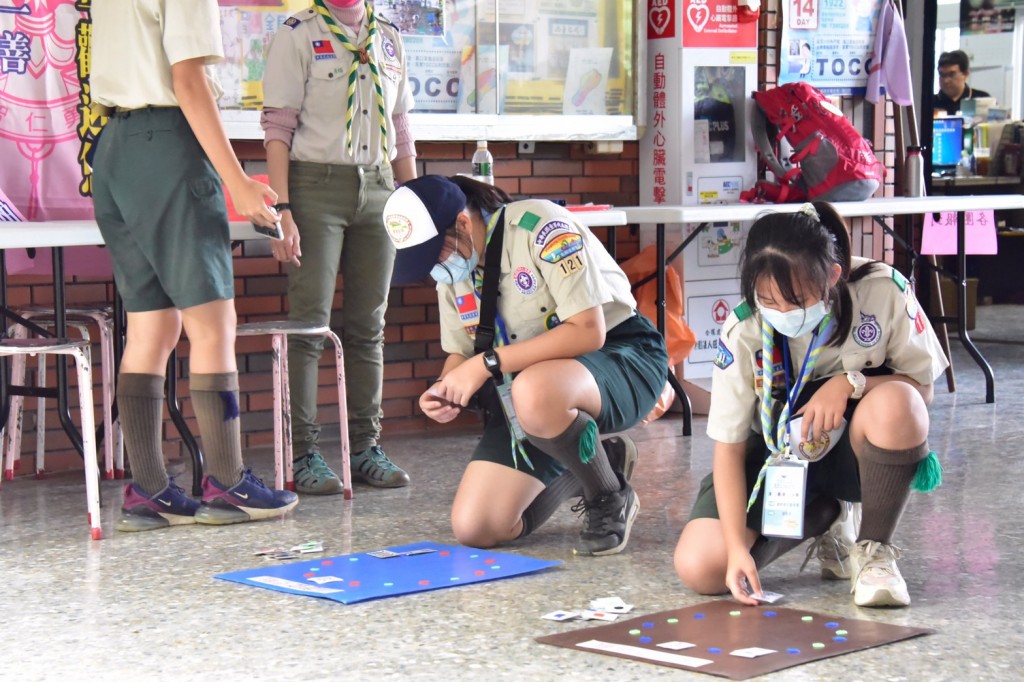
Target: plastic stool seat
(80, 351)
(279, 330)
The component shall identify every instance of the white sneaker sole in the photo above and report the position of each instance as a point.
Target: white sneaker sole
(880, 596)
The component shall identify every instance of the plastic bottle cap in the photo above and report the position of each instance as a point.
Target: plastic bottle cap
(482, 144)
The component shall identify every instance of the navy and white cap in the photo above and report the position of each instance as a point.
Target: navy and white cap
(416, 216)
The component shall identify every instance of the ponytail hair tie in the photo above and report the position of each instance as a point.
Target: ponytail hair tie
(808, 210)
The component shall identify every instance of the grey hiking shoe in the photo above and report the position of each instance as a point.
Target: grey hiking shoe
(622, 455)
(373, 466)
(608, 520)
(314, 477)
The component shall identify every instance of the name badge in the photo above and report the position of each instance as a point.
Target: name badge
(505, 394)
(785, 488)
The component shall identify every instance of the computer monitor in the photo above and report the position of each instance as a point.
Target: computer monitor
(947, 143)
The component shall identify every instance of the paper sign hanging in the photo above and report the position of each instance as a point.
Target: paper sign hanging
(939, 237)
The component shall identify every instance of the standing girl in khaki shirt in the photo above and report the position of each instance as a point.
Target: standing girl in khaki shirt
(333, 157)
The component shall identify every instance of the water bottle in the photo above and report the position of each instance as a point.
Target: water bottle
(483, 163)
(913, 170)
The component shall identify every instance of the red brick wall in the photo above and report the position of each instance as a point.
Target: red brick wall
(412, 340)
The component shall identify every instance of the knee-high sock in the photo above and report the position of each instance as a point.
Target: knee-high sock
(885, 477)
(579, 449)
(549, 500)
(215, 400)
(140, 404)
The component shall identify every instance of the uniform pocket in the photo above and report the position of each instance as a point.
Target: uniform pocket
(865, 359)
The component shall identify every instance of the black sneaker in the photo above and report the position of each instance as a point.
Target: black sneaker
(622, 455)
(373, 466)
(608, 521)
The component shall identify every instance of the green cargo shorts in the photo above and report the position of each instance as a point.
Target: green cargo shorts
(630, 370)
(160, 208)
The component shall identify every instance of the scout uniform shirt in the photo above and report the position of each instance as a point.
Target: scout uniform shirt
(888, 329)
(134, 42)
(307, 70)
(551, 269)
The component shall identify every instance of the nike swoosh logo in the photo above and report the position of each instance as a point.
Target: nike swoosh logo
(163, 502)
(244, 497)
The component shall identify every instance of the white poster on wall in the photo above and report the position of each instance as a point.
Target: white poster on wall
(585, 81)
(708, 305)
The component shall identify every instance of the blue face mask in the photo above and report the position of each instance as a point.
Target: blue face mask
(795, 323)
(456, 267)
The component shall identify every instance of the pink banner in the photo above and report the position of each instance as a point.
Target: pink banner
(40, 90)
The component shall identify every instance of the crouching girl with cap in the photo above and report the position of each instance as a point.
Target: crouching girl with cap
(826, 367)
(566, 339)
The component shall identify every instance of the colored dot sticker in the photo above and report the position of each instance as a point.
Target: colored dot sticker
(354, 558)
(818, 645)
(698, 616)
(807, 619)
(478, 572)
(327, 563)
(839, 638)
(734, 613)
(714, 650)
(634, 631)
(473, 556)
(792, 651)
(645, 640)
(454, 578)
(389, 584)
(444, 553)
(672, 621)
(495, 568)
(488, 561)
(841, 632)
(832, 626)
(770, 614)
(354, 583)
(308, 575)
(648, 625)
(424, 582)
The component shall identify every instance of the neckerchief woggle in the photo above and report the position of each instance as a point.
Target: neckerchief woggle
(776, 439)
(361, 55)
(500, 330)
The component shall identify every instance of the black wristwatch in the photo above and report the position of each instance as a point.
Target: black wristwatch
(283, 206)
(493, 363)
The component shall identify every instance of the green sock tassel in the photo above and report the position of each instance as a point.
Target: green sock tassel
(588, 442)
(928, 476)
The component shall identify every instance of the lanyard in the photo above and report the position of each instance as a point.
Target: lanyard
(775, 437)
(360, 55)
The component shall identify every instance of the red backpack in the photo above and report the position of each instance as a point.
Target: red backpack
(831, 161)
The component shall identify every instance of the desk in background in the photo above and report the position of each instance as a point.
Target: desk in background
(873, 208)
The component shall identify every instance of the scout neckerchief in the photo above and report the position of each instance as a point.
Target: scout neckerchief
(775, 434)
(490, 329)
(360, 55)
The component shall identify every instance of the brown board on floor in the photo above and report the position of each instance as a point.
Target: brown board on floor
(718, 628)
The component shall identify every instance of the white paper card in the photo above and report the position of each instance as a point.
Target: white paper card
(752, 652)
(561, 615)
(677, 646)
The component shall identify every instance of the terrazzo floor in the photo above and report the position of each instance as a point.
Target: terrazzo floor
(146, 606)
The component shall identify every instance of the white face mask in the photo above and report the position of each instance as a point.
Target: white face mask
(795, 323)
(456, 267)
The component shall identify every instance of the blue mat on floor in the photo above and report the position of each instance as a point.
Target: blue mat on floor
(417, 567)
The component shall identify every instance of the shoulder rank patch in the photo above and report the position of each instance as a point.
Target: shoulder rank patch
(743, 311)
(900, 280)
(528, 221)
(291, 22)
(724, 358)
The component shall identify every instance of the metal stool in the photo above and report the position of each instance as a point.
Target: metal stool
(79, 349)
(78, 317)
(279, 331)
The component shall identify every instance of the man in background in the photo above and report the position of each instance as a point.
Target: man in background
(954, 68)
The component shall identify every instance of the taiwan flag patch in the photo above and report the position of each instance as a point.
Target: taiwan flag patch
(466, 306)
(322, 49)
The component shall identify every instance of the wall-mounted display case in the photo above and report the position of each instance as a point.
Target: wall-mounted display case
(479, 69)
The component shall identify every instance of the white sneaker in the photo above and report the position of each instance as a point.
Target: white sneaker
(833, 548)
(877, 580)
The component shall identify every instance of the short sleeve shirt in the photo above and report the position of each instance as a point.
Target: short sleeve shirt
(135, 43)
(307, 70)
(888, 329)
(552, 268)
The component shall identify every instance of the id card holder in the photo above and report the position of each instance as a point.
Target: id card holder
(505, 395)
(785, 489)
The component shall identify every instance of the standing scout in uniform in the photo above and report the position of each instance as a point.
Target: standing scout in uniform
(834, 352)
(161, 210)
(567, 337)
(336, 98)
